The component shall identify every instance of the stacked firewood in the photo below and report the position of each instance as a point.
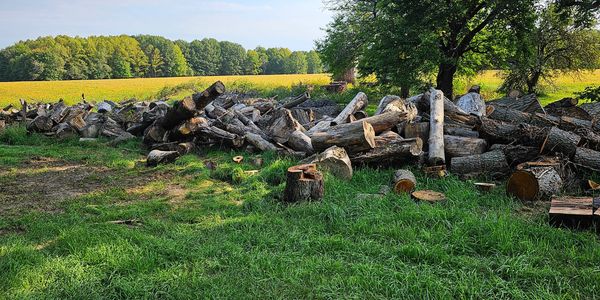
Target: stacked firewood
(541, 150)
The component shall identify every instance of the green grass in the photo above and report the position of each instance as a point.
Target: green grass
(224, 234)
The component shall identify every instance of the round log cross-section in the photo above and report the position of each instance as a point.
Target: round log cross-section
(536, 183)
(304, 183)
(404, 182)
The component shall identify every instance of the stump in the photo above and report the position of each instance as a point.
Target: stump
(404, 182)
(304, 183)
(535, 183)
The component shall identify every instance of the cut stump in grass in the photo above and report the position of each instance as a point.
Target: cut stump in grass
(572, 212)
(404, 182)
(304, 183)
(536, 183)
(428, 196)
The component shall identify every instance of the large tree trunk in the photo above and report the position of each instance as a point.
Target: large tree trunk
(535, 183)
(445, 79)
(436, 129)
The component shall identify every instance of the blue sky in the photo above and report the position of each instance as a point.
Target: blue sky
(269, 23)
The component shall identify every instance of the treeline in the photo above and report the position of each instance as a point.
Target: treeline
(105, 57)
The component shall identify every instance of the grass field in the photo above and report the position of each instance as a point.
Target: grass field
(179, 87)
(101, 225)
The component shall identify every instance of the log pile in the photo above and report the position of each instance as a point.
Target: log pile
(543, 151)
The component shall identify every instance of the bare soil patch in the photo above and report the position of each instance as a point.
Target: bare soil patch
(43, 184)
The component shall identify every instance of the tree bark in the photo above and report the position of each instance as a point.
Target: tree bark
(391, 152)
(299, 141)
(156, 157)
(334, 160)
(445, 78)
(560, 141)
(491, 163)
(587, 158)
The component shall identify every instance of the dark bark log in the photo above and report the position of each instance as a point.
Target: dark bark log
(297, 101)
(460, 131)
(260, 143)
(517, 154)
(417, 130)
(587, 158)
(535, 183)
(560, 141)
(299, 141)
(40, 124)
(156, 157)
(528, 104)
(491, 163)
(201, 100)
(304, 183)
(506, 133)
(282, 125)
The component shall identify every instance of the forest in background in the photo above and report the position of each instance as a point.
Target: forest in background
(106, 57)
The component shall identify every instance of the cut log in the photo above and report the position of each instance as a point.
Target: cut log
(334, 160)
(560, 141)
(355, 137)
(563, 103)
(304, 183)
(260, 143)
(407, 109)
(64, 131)
(303, 116)
(186, 148)
(40, 124)
(506, 133)
(360, 115)
(385, 121)
(299, 141)
(391, 152)
(587, 158)
(201, 100)
(528, 103)
(387, 137)
(517, 154)
(297, 101)
(404, 182)
(572, 212)
(359, 102)
(282, 125)
(485, 187)
(157, 157)
(154, 134)
(535, 183)
(428, 196)
(491, 163)
(472, 103)
(436, 129)
(384, 103)
(456, 146)
(593, 109)
(178, 113)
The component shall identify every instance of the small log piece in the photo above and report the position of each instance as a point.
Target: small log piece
(428, 196)
(156, 157)
(535, 183)
(404, 182)
(335, 160)
(572, 212)
(304, 183)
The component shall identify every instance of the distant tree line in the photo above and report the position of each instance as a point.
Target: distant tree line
(104, 57)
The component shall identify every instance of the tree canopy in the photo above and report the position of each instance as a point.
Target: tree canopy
(101, 57)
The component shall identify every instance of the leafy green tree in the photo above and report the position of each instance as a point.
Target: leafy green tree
(253, 63)
(205, 57)
(233, 58)
(447, 32)
(553, 46)
(313, 62)
(276, 60)
(296, 63)
(155, 61)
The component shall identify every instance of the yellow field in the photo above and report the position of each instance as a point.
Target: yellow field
(145, 88)
(140, 88)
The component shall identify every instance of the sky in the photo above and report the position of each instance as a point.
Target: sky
(268, 23)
